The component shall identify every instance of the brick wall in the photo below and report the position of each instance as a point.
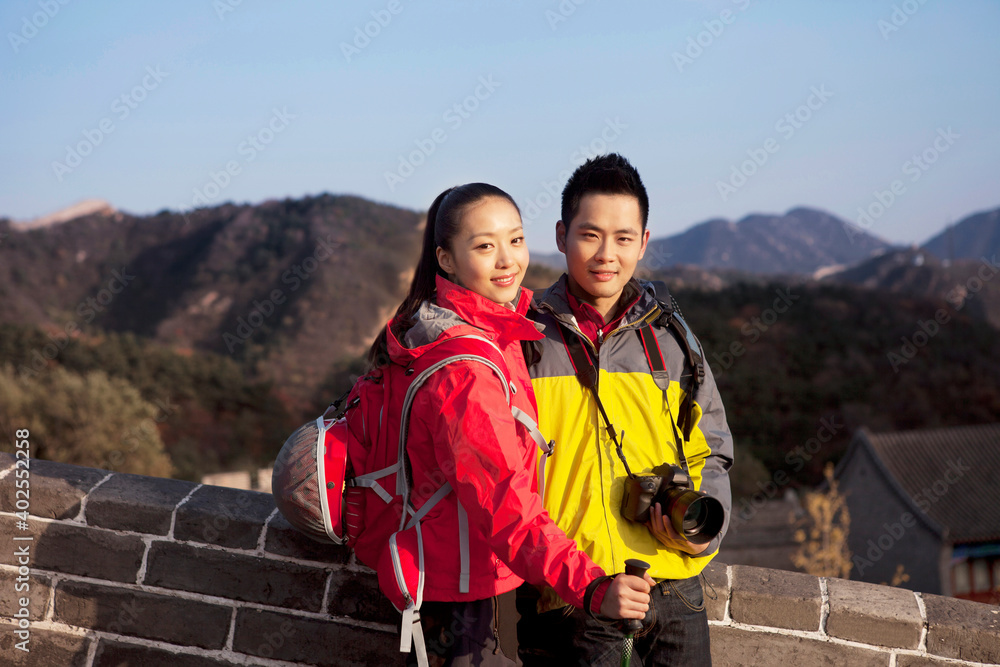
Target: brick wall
(132, 570)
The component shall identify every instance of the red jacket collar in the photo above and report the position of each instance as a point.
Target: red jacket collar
(484, 314)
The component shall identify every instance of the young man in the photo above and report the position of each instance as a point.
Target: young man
(605, 309)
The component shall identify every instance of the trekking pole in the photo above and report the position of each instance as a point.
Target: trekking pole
(637, 568)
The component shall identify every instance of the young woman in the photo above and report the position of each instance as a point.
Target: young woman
(461, 430)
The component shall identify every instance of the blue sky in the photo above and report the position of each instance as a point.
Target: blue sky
(727, 107)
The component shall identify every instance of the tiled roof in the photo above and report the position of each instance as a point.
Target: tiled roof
(952, 474)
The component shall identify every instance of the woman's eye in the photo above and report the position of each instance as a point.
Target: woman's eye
(518, 241)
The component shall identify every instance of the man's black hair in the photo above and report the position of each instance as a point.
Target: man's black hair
(609, 174)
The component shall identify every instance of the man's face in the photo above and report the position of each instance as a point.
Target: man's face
(602, 244)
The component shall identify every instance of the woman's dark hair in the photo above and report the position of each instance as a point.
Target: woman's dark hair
(443, 220)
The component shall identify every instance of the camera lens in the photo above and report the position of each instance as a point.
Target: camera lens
(695, 518)
(694, 515)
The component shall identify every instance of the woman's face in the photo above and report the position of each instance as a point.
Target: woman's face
(488, 254)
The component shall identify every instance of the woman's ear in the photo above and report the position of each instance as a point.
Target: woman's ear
(445, 260)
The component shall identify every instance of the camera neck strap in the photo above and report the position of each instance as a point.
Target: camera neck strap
(586, 374)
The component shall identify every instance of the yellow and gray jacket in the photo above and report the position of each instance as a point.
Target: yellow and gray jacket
(584, 478)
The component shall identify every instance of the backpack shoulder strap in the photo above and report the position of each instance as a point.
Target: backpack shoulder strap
(672, 318)
(491, 355)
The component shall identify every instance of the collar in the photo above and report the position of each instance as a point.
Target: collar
(591, 323)
(507, 323)
(637, 293)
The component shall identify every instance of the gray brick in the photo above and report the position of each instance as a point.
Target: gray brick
(142, 614)
(89, 552)
(962, 629)
(118, 654)
(56, 489)
(738, 647)
(311, 641)
(716, 578)
(235, 576)
(136, 503)
(224, 517)
(39, 587)
(357, 595)
(903, 660)
(871, 614)
(47, 648)
(284, 540)
(775, 598)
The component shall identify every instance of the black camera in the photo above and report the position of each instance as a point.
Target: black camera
(694, 515)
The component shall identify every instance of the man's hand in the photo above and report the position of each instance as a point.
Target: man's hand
(627, 597)
(663, 530)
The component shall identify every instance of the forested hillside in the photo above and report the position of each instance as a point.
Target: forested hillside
(183, 345)
(286, 288)
(793, 359)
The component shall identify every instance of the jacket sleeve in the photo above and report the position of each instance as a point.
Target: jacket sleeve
(715, 474)
(480, 452)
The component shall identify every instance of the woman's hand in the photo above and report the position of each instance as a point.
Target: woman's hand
(663, 530)
(627, 597)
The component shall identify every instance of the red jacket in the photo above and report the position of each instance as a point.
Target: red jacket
(461, 431)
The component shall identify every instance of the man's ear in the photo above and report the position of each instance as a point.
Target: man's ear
(561, 236)
(645, 241)
(445, 260)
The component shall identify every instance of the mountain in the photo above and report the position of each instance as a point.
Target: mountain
(974, 237)
(801, 241)
(964, 285)
(238, 319)
(287, 288)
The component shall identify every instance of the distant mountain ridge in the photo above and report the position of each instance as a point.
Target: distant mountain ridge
(295, 287)
(963, 286)
(973, 237)
(288, 287)
(802, 241)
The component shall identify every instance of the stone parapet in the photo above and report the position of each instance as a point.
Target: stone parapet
(126, 569)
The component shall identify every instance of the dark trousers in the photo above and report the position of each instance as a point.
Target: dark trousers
(465, 634)
(675, 632)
